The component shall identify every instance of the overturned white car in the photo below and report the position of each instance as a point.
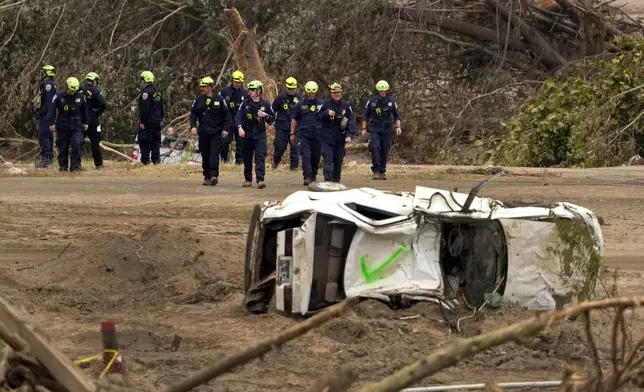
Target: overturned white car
(317, 248)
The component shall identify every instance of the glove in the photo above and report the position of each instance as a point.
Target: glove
(343, 124)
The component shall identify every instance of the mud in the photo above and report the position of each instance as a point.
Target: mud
(161, 256)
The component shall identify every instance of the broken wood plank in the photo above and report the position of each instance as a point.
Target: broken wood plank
(14, 341)
(61, 367)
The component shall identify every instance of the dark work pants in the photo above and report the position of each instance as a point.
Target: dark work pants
(225, 147)
(65, 139)
(95, 136)
(150, 143)
(259, 148)
(309, 149)
(379, 146)
(333, 155)
(45, 140)
(239, 143)
(279, 148)
(210, 145)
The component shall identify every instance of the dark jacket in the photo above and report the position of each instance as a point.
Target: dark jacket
(212, 114)
(379, 112)
(96, 103)
(150, 105)
(283, 106)
(330, 129)
(305, 114)
(47, 91)
(254, 126)
(233, 98)
(68, 112)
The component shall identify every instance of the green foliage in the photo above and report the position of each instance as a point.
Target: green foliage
(581, 262)
(591, 118)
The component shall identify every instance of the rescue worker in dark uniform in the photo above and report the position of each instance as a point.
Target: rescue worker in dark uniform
(252, 117)
(379, 112)
(214, 122)
(67, 117)
(96, 105)
(234, 94)
(305, 127)
(151, 116)
(45, 137)
(337, 127)
(283, 106)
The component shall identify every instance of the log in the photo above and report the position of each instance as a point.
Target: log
(243, 44)
(262, 348)
(104, 147)
(61, 367)
(549, 57)
(429, 17)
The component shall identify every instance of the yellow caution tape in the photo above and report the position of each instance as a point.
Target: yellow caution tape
(95, 357)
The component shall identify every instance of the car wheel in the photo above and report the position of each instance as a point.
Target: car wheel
(486, 265)
(326, 186)
(251, 251)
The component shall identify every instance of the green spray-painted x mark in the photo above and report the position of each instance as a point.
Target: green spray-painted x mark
(369, 274)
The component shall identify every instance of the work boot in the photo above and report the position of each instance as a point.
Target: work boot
(383, 176)
(206, 181)
(247, 184)
(376, 176)
(214, 181)
(261, 185)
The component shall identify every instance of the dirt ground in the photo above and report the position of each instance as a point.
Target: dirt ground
(161, 255)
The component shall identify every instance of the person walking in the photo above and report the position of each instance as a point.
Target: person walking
(151, 116)
(379, 112)
(67, 117)
(234, 94)
(305, 130)
(214, 120)
(283, 106)
(253, 115)
(338, 127)
(45, 137)
(96, 105)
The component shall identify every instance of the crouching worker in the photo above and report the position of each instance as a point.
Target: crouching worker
(67, 117)
(214, 118)
(337, 128)
(253, 115)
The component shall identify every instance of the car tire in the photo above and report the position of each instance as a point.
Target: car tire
(487, 264)
(327, 186)
(253, 232)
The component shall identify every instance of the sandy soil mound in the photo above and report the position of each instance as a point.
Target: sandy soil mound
(163, 263)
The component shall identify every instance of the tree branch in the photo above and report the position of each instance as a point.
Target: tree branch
(457, 351)
(262, 348)
(516, 64)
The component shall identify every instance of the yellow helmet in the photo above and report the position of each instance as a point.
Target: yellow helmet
(147, 76)
(255, 85)
(291, 83)
(311, 87)
(207, 81)
(238, 76)
(382, 85)
(335, 88)
(73, 83)
(92, 76)
(49, 70)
